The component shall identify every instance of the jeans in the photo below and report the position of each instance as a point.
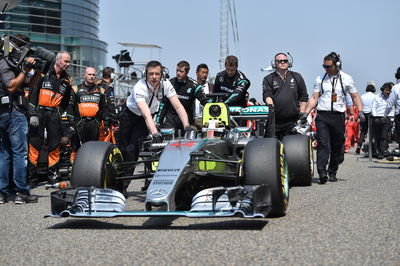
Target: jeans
(13, 150)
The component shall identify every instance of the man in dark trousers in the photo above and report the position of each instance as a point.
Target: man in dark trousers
(287, 92)
(330, 91)
(47, 101)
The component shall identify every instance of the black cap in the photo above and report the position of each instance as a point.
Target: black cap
(397, 75)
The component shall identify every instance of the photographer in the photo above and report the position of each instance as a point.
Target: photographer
(13, 123)
(47, 101)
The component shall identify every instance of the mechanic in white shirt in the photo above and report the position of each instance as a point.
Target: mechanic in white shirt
(380, 125)
(394, 101)
(136, 121)
(330, 91)
(202, 76)
(366, 100)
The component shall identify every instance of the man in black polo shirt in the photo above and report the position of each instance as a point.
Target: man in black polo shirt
(287, 92)
(188, 90)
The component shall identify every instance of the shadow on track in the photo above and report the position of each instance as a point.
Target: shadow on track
(156, 223)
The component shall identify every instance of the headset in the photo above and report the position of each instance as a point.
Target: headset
(336, 60)
(288, 56)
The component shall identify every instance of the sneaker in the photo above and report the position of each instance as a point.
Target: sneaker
(21, 198)
(346, 150)
(358, 150)
(3, 198)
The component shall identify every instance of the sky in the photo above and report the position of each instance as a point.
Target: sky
(363, 32)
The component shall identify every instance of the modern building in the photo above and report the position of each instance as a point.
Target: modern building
(71, 25)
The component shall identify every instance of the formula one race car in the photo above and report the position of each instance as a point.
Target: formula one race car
(222, 171)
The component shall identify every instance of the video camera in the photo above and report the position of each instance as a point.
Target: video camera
(15, 51)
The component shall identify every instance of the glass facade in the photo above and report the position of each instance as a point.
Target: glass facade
(70, 25)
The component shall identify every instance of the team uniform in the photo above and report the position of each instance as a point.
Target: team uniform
(110, 105)
(188, 91)
(48, 101)
(132, 124)
(380, 126)
(236, 86)
(394, 101)
(87, 109)
(286, 93)
(366, 100)
(330, 120)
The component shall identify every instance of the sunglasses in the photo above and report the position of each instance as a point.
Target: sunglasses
(282, 61)
(327, 66)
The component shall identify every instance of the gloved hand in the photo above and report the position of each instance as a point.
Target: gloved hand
(190, 132)
(303, 118)
(155, 138)
(361, 116)
(189, 128)
(34, 121)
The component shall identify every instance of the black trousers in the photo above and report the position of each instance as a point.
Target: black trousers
(397, 127)
(380, 135)
(331, 138)
(132, 128)
(89, 129)
(363, 130)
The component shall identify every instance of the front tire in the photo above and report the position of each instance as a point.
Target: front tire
(299, 154)
(90, 165)
(265, 163)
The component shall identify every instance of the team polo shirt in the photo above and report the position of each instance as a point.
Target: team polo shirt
(366, 100)
(341, 88)
(394, 100)
(143, 92)
(379, 105)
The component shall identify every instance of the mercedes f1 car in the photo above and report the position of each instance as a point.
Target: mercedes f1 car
(221, 171)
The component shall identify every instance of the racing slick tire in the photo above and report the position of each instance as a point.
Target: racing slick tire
(94, 165)
(265, 163)
(299, 154)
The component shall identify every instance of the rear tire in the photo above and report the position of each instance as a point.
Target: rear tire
(299, 153)
(89, 168)
(265, 163)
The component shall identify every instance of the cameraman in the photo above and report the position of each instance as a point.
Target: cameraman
(14, 126)
(47, 101)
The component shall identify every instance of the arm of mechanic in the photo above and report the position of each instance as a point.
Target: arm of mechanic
(148, 118)
(180, 110)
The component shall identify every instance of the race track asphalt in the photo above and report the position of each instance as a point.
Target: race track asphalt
(355, 221)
